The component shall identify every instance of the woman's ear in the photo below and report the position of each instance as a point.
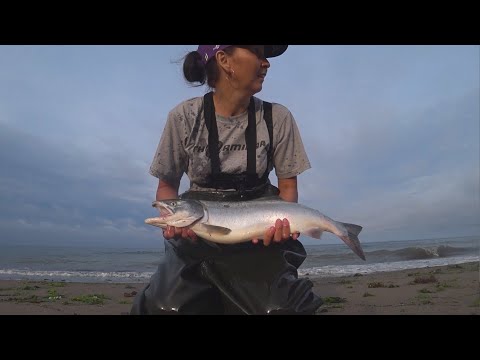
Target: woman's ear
(223, 61)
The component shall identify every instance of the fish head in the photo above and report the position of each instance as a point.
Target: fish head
(179, 213)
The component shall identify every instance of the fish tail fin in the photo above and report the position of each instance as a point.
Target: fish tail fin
(352, 239)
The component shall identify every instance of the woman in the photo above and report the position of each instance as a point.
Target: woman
(251, 138)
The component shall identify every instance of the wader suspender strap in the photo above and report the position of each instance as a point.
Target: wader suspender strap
(250, 138)
(211, 123)
(267, 116)
(251, 142)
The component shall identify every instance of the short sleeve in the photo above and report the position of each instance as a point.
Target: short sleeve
(170, 160)
(290, 158)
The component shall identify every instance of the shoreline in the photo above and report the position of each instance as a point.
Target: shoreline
(439, 290)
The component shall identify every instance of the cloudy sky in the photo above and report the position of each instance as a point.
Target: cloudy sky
(392, 133)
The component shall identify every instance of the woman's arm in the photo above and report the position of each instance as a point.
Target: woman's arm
(288, 189)
(167, 191)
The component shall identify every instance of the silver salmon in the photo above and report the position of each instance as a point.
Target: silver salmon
(236, 222)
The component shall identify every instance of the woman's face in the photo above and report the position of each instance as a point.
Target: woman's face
(249, 67)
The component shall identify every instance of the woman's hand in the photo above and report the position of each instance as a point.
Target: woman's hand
(172, 232)
(278, 233)
(281, 231)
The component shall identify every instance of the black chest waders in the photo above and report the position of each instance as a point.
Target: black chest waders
(244, 278)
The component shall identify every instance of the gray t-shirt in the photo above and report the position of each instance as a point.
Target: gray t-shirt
(183, 144)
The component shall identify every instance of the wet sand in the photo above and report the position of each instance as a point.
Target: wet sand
(442, 290)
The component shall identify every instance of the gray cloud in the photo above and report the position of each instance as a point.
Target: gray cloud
(65, 194)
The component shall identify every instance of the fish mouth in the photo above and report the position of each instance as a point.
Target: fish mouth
(164, 209)
(159, 222)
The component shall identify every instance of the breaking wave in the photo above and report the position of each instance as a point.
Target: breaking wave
(419, 253)
(82, 276)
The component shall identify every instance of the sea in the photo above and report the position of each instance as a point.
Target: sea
(131, 265)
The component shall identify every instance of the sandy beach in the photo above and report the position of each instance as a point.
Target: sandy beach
(443, 290)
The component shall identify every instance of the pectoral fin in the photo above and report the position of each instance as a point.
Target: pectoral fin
(216, 230)
(314, 232)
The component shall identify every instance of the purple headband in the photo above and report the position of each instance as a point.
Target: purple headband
(208, 51)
